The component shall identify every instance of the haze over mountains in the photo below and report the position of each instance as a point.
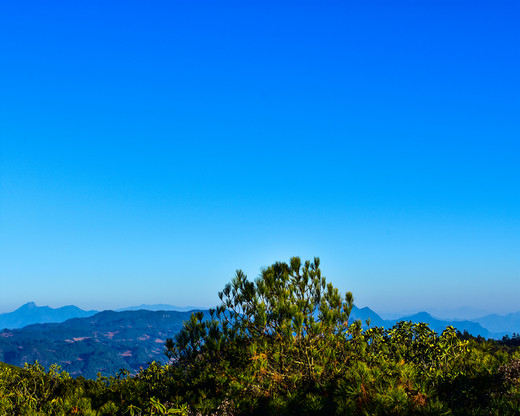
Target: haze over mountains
(462, 313)
(103, 343)
(31, 314)
(488, 326)
(159, 307)
(87, 342)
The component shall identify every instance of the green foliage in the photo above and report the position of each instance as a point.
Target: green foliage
(286, 330)
(34, 391)
(284, 345)
(284, 342)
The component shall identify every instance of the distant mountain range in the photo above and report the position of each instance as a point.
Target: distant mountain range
(509, 325)
(105, 342)
(498, 323)
(438, 325)
(489, 326)
(87, 342)
(159, 307)
(462, 313)
(31, 314)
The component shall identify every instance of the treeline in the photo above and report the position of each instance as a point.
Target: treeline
(507, 341)
(285, 345)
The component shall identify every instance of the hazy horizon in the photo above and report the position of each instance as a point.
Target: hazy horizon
(461, 313)
(147, 151)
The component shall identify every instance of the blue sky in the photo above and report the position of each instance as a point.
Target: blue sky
(150, 149)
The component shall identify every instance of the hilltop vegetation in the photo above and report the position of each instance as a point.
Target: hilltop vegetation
(285, 344)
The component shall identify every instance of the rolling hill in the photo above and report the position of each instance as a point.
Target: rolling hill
(105, 342)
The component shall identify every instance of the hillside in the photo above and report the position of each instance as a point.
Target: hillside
(105, 342)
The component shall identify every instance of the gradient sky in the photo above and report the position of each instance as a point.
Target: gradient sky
(150, 149)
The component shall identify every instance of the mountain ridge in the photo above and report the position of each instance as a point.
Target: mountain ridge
(438, 325)
(488, 326)
(105, 342)
(159, 307)
(29, 313)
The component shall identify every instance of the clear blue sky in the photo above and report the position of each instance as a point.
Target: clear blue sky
(150, 149)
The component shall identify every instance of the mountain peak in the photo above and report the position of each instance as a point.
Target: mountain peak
(30, 313)
(420, 317)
